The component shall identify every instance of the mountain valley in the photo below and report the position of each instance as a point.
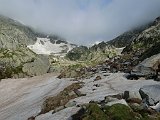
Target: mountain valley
(44, 77)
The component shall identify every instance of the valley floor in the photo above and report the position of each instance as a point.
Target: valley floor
(22, 98)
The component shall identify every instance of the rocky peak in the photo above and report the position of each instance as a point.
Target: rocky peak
(157, 21)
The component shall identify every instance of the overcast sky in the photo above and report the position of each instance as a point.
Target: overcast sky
(82, 21)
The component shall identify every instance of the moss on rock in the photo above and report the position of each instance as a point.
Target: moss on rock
(121, 112)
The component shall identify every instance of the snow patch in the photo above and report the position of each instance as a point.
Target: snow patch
(44, 46)
(22, 98)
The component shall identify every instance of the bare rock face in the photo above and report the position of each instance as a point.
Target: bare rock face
(38, 67)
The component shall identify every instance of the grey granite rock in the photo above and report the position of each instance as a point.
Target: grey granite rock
(151, 94)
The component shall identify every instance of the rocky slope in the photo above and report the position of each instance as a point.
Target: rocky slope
(13, 34)
(16, 60)
(24, 98)
(127, 37)
(147, 43)
(98, 92)
(96, 53)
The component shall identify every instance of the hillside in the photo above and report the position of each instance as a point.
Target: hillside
(13, 34)
(96, 53)
(147, 42)
(16, 60)
(127, 37)
(93, 83)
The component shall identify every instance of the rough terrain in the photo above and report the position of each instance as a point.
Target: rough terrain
(23, 98)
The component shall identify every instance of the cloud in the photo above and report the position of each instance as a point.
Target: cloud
(82, 21)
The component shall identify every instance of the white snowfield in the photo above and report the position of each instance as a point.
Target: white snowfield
(44, 46)
(22, 98)
(113, 84)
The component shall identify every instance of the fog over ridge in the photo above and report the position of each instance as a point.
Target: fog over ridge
(82, 21)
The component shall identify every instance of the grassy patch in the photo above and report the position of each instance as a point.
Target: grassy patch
(93, 111)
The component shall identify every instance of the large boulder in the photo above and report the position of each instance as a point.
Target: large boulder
(22, 62)
(131, 94)
(142, 71)
(150, 93)
(38, 67)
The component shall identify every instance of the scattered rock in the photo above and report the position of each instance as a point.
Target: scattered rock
(134, 100)
(126, 95)
(58, 109)
(72, 93)
(98, 78)
(106, 75)
(156, 107)
(134, 94)
(71, 104)
(97, 85)
(131, 94)
(78, 93)
(122, 101)
(31, 118)
(133, 77)
(61, 99)
(118, 96)
(110, 99)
